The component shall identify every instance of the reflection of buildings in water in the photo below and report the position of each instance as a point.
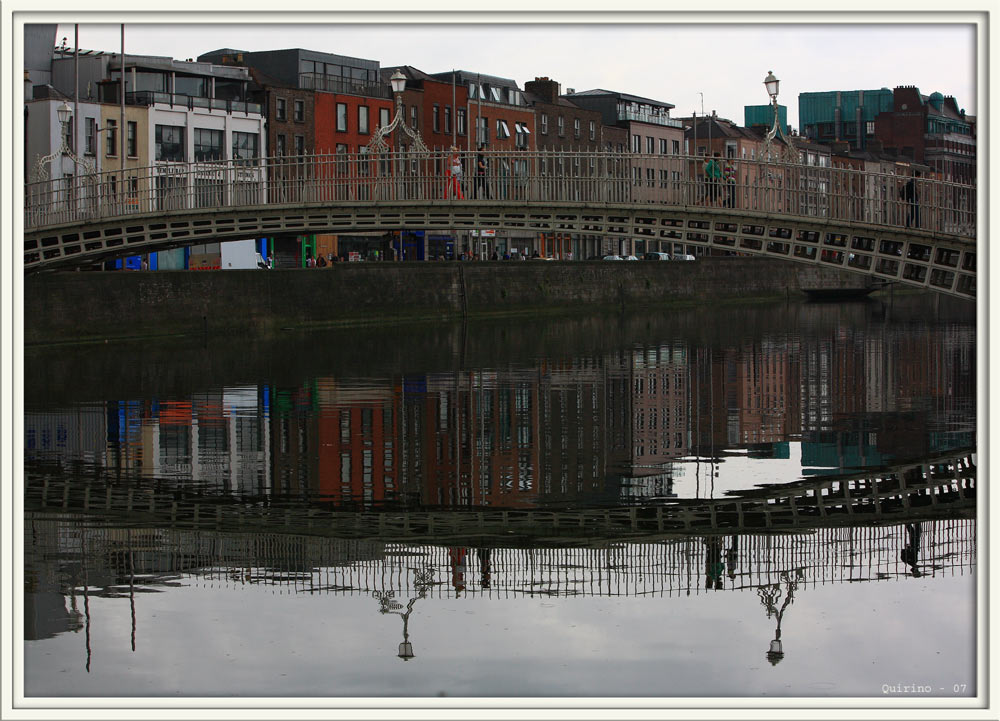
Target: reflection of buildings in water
(77, 434)
(763, 380)
(648, 406)
(549, 433)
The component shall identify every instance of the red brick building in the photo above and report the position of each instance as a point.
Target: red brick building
(931, 130)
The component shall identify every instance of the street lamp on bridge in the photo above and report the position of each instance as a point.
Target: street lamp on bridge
(63, 114)
(771, 83)
(378, 143)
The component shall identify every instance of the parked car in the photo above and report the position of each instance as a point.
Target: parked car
(656, 256)
(612, 257)
(681, 256)
(629, 257)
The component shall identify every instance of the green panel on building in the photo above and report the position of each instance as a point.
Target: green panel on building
(819, 107)
(764, 115)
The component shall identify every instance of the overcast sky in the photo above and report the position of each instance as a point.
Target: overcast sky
(717, 67)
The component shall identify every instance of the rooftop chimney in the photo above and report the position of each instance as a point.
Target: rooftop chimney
(544, 88)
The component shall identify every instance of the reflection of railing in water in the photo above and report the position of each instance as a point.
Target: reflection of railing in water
(678, 566)
(932, 488)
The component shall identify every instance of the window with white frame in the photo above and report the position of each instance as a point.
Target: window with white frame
(383, 117)
(246, 147)
(503, 132)
(545, 124)
(207, 144)
(363, 119)
(561, 125)
(342, 117)
(593, 130)
(650, 145)
(522, 135)
(169, 140)
(90, 132)
(636, 143)
(576, 127)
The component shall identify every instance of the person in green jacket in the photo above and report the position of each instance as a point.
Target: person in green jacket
(713, 177)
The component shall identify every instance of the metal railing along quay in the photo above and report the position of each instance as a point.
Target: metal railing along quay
(512, 178)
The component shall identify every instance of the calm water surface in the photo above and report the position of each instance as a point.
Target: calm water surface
(760, 501)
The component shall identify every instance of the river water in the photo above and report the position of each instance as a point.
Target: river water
(755, 501)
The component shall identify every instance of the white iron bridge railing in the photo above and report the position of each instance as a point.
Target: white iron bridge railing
(510, 178)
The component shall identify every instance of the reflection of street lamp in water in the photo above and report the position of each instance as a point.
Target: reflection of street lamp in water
(423, 579)
(769, 598)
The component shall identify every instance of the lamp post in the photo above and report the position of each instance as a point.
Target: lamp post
(423, 580)
(771, 84)
(64, 114)
(378, 143)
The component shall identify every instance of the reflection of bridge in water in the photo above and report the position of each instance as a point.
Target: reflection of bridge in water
(119, 540)
(890, 520)
(932, 488)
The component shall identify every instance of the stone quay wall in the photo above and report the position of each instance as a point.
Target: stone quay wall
(96, 306)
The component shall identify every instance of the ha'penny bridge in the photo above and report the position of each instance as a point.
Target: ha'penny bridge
(851, 220)
(913, 518)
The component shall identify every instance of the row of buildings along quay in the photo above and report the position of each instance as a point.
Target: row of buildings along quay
(137, 111)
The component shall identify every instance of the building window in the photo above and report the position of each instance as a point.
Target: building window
(870, 127)
(169, 143)
(447, 118)
(300, 145)
(300, 111)
(90, 142)
(593, 130)
(280, 146)
(112, 128)
(636, 143)
(483, 131)
(342, 117)
(675, 147)
(561, 125)
(503, 132)
(68, 130)
(246, 146)
(383, 117)
(413, 117)
(132, 139)
(545, 124)
(522, 135)
(207, 144)
(280, 113)
(363, 119)
(436, 118)
(663, 146)
(460, 121)
(650, 145)
(576, 127)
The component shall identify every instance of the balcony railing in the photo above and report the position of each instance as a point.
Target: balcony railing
(330, 84)
(150, 97)
(652, 118)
